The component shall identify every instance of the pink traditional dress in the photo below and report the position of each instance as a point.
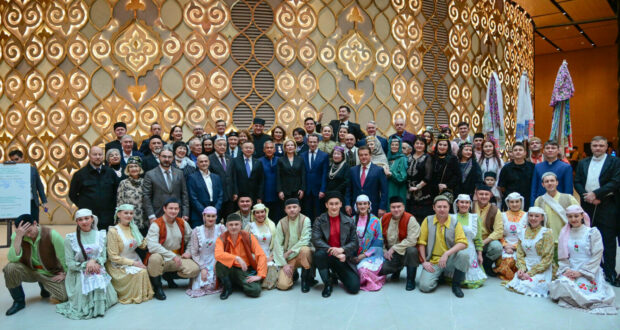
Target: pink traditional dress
(203, 253)
(370, 240)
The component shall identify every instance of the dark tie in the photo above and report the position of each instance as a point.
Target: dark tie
(311, 159)
(247, 167)
(223, 162)
(351, 158)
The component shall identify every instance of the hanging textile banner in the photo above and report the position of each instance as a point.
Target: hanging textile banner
(563, 90)
(493, 120)
(525, 111)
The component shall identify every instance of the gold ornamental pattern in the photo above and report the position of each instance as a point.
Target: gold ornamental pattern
(69, 69)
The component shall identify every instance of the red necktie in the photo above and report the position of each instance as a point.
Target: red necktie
(363, 178)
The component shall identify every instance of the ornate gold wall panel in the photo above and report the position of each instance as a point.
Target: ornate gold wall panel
(69, 68)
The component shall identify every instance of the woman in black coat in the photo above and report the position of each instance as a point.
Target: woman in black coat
(338, 176)
(419, 177)
(291, 179)
(470, 170)
(446, 171)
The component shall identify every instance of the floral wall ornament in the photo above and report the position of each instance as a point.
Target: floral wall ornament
(136, 48)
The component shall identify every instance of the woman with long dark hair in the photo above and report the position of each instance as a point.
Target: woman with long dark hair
(446, 170)
(278, 135)
(88, 285)
(470, 171)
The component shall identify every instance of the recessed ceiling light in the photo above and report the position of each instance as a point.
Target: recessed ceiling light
(581, 31)
(564, 13)
(593, 45)
(544, 38)
(558, 49)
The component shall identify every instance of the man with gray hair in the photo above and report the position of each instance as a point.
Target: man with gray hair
(371, 130)
(128, 150)
(399, 126)
(195, 148)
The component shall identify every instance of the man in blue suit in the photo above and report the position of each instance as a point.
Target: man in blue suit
(368, 179)
(204, 189)
(317, 166)
(36, 186)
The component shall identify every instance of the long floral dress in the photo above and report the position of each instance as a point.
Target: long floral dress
(370, 238)
(534, 255)
(132, 284)
(90, 295)
(203, 253)
(514, 222)
(130, 192)
(475, 276)
(589, 292)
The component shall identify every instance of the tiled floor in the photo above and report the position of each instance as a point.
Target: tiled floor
(490, 307)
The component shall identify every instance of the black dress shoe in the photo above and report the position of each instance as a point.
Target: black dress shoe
(16, 307)
(327, 291)
(457, 279)
(305, 285)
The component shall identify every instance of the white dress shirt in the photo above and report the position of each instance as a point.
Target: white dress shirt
(594, 172)
(207, 177)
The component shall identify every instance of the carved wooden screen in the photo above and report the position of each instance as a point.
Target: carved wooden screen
(70, 68)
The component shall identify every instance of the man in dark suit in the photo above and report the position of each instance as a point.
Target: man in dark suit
(94, 187)
(120, 129)
(162, 183)
(221, 164)
(155, 130)
(598, 183)
(127, 150)
(259, 138)
(344, 112)
(36, 186)
(233, 145)
(247, 174)
(270, 177)
(204, 189)
(336, 245)
(220, 131)
(151, 161)
(370, 180)
(317, 166)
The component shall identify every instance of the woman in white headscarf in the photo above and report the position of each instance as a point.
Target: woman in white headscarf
(515, 220)
(475, 276)
(377, 156)
(534, 256)
(581, 282)
(129, 276)
(88, 285)
(265, 232)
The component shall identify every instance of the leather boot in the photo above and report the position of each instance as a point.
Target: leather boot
(226, 288)
(19, 300)
(44, 292)
(295, 276)
(157, 288)
(327, 289)
(411, 271)
(305, 281)
(169, 277)
(457, 279)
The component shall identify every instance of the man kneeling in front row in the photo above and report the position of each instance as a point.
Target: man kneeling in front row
(168, 242)
(240, 260)
(442, 246)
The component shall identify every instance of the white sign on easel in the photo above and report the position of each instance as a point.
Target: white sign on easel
(15, 191)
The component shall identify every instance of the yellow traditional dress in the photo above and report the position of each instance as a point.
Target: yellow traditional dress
(130, 282)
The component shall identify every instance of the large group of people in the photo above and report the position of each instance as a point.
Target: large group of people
(251, 211)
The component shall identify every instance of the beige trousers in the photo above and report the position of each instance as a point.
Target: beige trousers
(157, 266)
(303, 259)
(15, 273)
